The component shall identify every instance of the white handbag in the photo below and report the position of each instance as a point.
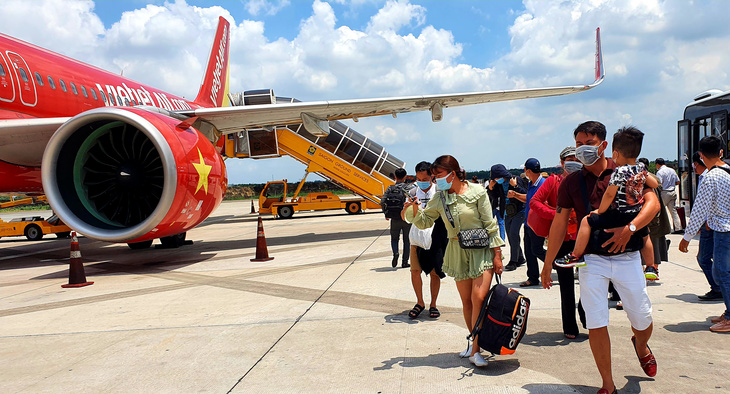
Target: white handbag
(421, 238)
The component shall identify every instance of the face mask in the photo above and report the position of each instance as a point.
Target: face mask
(423, 185)
(587, 154)
(572, 166)
(500, 181)
(442, 184)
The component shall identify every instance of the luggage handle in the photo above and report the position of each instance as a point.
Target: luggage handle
(483, 312)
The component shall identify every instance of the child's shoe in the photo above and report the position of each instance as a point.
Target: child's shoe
(570, 261)
(651, 273)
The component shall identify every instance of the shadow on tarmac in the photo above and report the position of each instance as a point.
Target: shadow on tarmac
(689, 326)
(452, 360)
(542, 338)
(632, 386)
(691, 298)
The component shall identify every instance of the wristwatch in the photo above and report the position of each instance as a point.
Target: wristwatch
(632, 227)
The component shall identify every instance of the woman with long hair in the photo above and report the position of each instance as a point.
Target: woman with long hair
(472, 269)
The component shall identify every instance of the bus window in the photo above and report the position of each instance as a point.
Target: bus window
(83, 90)
(93, 93)
(38, 78)
(51, 83)
(63, 85)
(685, 157)
(23, 74)
(73, 88)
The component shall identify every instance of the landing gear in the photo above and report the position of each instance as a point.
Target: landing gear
(139, 245)
(173, 241)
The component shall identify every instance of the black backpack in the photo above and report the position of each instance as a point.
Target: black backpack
(393, 200)
(502, 321)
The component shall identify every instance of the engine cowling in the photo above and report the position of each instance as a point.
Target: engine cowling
(131, 175)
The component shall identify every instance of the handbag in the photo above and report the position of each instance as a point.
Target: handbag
(473, 238)
(420, 238)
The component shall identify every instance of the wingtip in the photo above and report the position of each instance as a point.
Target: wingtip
(600, 72)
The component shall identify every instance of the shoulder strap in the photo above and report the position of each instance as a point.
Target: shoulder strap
(446, 210)
(584, 191)
(483, 312)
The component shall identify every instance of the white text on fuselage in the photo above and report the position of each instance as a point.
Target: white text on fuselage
(218, 68)
(124, 95)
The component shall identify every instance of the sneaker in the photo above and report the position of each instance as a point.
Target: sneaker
(511, 266)
(570, 261)
(619, 305)
(479, 361)
(721, 326)
(710, 296)
(465, 353)
(395, 260)
(651, 273)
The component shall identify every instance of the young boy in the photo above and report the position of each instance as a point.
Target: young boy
(621, 202)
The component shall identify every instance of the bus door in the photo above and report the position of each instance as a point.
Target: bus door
(26, 83)
(684, 164)
(7, 88)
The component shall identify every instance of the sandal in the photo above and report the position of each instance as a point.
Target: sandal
(528, 283)
(648, 362)
(434, 313)
(415, 311)
(570, 336)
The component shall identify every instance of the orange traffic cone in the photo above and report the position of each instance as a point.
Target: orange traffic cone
(76, 275)
(262, 253)
(253, 210)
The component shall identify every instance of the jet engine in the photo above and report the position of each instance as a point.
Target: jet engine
(131, 174)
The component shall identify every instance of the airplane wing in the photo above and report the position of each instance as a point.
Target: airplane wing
(22, 141)
(233, 119)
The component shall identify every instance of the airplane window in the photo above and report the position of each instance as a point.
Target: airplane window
(23, 74)
(83, 90)
(73, 87)
(103, 96)
(93, 93)
(111, 100)
(2, 71)
(126, 102)
(38, 78)
(51, 83)
(63, 85)
(119, 100)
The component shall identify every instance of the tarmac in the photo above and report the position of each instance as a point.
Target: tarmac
(328, 314)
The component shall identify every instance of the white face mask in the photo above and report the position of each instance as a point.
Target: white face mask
(572, 166)
(588, 154)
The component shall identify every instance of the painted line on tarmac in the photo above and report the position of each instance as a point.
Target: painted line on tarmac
(16, 256)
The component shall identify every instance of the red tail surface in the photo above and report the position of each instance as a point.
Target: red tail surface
(214, 89)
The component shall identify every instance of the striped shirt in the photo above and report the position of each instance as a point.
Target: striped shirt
(712, 204)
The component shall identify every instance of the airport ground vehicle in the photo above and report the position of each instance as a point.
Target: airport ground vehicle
(706, 115)
(34, 227)
(273, 200)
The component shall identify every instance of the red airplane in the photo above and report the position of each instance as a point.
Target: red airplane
(121, 161)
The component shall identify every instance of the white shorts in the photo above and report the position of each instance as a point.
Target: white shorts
(625, 272)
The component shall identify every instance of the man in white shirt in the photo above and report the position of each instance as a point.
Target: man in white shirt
(712, 205)
(669, 180)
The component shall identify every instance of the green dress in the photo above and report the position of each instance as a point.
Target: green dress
(469, 210)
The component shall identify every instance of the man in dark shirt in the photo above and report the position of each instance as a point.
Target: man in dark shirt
(616, 265)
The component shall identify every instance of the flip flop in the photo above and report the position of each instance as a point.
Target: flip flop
(528, 283)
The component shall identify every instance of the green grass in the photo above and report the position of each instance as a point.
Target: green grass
(40, 207)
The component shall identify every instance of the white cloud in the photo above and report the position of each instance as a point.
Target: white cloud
(263, 7)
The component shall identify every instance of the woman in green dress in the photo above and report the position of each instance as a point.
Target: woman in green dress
(472, 269)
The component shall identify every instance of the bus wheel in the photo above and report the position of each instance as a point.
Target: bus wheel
(64, 234)
(139, 245)
(286, 212)
(353, 208)
(33, 232)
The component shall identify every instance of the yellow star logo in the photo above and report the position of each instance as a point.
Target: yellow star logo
(203, 171)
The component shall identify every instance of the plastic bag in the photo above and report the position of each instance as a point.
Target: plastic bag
(421, 238)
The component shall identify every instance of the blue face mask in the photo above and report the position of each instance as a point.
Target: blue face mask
(500, 181)
(442, 184)
(423, 185)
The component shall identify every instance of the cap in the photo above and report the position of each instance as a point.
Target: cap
(567, 152)
(499, 171)
(532, 164)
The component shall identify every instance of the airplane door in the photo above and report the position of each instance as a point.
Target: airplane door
(7, 88)
(26, 82)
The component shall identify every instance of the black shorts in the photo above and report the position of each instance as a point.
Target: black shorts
(613, 218)
(433, 258)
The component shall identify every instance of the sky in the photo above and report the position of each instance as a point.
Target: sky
(658, 55)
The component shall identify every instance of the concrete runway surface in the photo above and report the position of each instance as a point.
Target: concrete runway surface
(328, 314)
